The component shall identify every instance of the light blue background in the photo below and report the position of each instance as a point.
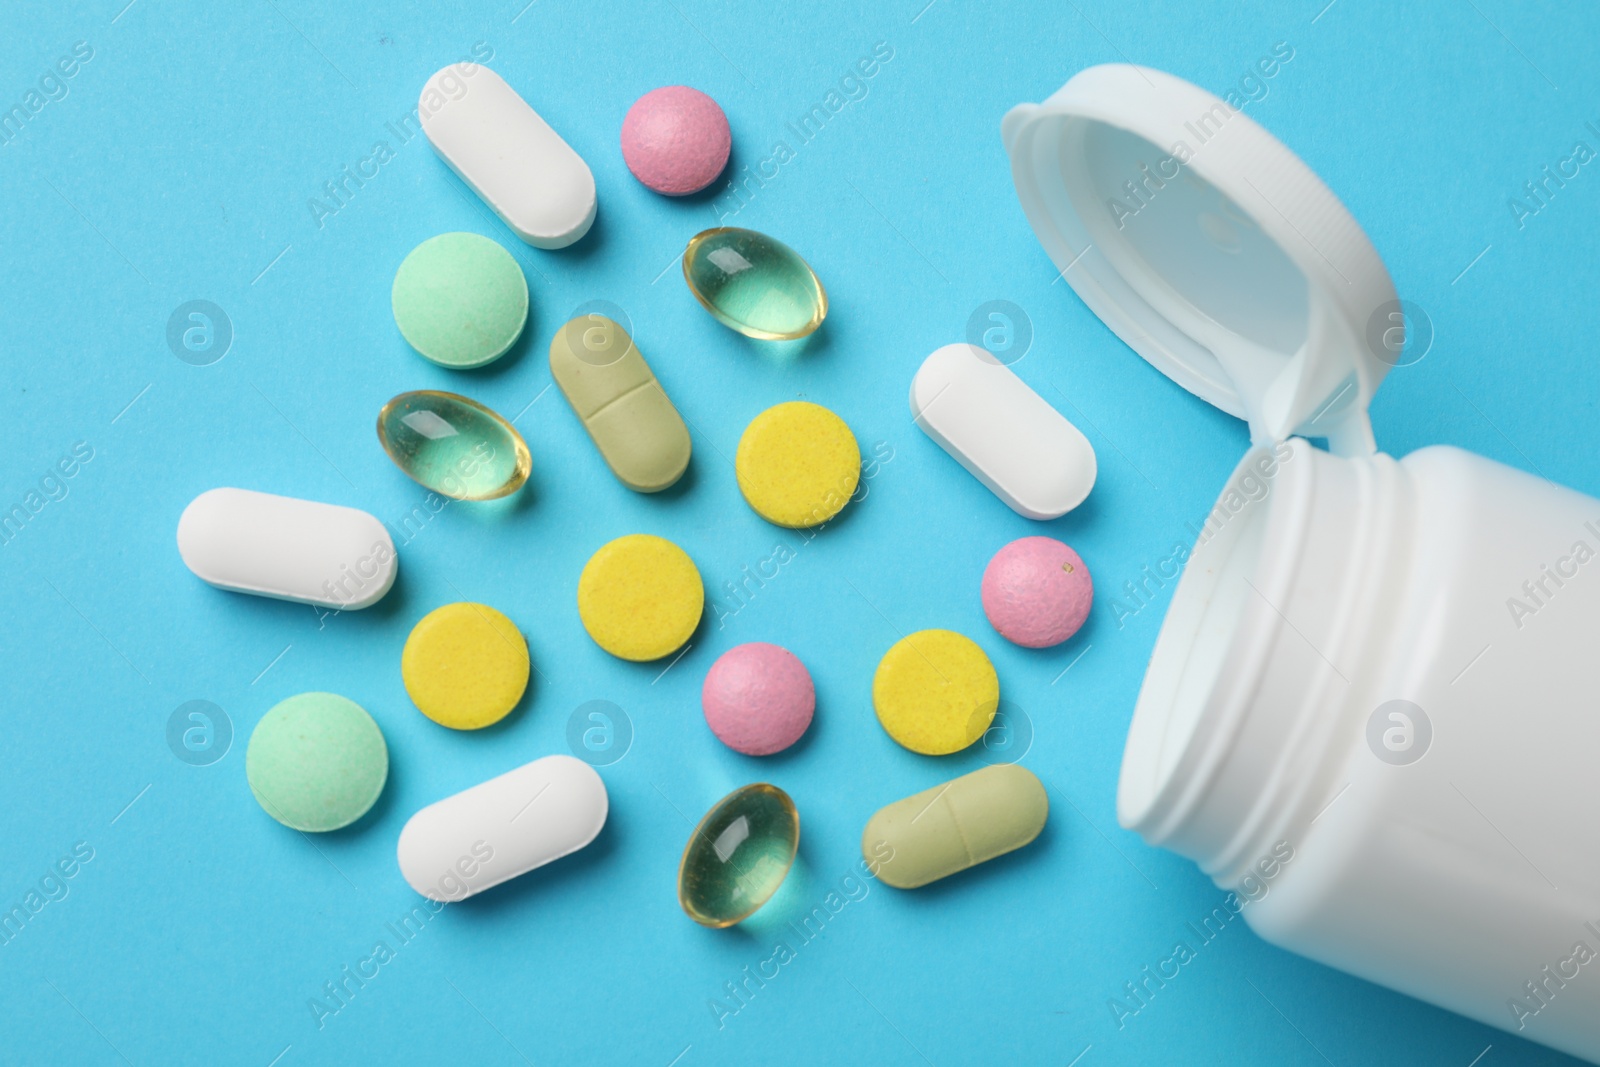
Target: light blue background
(179, 167)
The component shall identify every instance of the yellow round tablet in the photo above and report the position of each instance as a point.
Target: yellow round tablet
(465, 666)
(935, 692)
(797, 464)
(640, 597)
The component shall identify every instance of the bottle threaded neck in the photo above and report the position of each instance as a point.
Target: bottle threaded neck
(1262, 652)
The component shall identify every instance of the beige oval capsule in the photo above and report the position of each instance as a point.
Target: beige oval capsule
(639, 433)
(951, 827)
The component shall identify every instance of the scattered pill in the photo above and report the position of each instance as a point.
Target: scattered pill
(640, 597)
(797, 464)
(460, 300)
(453, 445)
(739, 855)
(951, 827)
(465, 666)
(316, 762)
(510, 156)
(676, 140)
(1037, 592)
(1006, 434)
(754, 284)
(615, 395)
(758, 698)
(935, 692)
(287, 549)
(502, 828)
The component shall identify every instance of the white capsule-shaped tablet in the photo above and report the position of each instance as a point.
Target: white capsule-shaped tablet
(288, 549)
(502, 828)
(1006, 434)
(510, 156)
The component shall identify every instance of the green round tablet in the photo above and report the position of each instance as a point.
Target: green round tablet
(460, 300)
(316, 762)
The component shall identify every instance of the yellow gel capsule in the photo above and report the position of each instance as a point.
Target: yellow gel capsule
(935, 692)
(639, 433)
(465, 666)
(640, 597)
(954, 826)
(754, 284)
(797, 464)
(453, 445)
(739, 855)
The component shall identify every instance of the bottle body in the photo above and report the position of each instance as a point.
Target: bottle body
(1391, 674)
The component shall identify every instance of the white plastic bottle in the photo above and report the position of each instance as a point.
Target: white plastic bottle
(1387, 671)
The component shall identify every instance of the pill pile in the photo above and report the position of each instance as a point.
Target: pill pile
(318, 762)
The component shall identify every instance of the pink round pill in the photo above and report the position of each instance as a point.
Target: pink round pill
(758, 698)
(676, 140)
(1037, 592)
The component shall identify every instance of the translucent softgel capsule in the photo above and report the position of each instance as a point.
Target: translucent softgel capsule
(754, 284)
(739, 855)
(453, 445)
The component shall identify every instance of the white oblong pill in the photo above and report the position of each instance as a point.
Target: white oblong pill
(286, 548)
(1006, 434)
(510, 156)
(501, 828)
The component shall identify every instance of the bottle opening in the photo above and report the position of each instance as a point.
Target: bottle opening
(1177, 706)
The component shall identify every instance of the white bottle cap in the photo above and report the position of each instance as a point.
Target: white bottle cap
(1211, 249)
